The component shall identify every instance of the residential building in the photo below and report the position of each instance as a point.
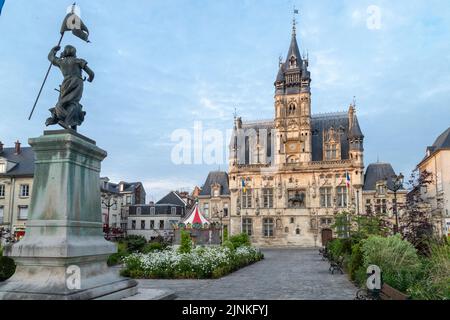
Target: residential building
(16, 184)
(133, 193)
(157, 219)
(288, 175)
(437, 194)
(111, 203)
(214, 198)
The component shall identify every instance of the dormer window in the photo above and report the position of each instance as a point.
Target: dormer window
(2, 167)
(381, 187)
(293, 62)
(331, 145)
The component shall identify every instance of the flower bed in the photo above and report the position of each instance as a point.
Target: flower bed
(200, 263)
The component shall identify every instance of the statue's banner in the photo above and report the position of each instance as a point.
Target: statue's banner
(73, 23)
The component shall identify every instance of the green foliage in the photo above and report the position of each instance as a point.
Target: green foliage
(186, 242)
(435, 277)
(117, 258)
(397, 258)
(225, 234)
(228, 244)
(339, 247)
(153, 246)
(135, 243)
(355, 262)
(342, 225)
(240, 240)
(7, 268)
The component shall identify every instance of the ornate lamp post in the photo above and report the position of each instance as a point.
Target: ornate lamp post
(397, 185)
(108, 202)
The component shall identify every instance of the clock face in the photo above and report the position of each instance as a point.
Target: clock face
(292, 147)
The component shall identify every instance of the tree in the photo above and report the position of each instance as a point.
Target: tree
(416, 225)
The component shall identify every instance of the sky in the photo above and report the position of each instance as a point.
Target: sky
(163, 66)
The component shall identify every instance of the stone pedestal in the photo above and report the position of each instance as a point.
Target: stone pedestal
(63, 254)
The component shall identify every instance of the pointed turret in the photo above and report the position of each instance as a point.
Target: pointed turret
(293, 76)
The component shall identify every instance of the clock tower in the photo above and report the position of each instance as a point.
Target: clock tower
(293, 107)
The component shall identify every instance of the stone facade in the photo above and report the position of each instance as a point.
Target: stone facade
(289, 176)
(214, 200)
(16, 184)
(437, 194)
(378, 195)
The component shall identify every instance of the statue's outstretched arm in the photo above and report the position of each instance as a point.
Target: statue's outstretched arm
(90, 73)
(52, 56)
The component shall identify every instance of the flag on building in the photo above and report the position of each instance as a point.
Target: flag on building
(347, 179)
(72, 22)
(244, 188)
(2, 2)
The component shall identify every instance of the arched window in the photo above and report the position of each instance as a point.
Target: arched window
(297, 231)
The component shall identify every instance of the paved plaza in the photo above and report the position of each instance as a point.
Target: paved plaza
(283, 274)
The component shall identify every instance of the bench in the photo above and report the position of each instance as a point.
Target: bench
(337, 265)
(386, 293)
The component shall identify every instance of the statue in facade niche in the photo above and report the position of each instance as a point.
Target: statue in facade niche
(68, 112)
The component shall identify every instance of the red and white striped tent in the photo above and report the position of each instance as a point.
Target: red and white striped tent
(195, 217)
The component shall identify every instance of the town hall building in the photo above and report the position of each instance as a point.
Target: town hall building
(290, 175)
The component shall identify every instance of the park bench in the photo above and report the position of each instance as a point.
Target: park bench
(324, 253)
(336, 265)
(386, 293)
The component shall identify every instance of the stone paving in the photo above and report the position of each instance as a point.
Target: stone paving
(284, 274)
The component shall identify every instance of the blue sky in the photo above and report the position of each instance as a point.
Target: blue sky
(161, 65)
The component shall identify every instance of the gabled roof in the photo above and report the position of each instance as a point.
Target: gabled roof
(172, 198)
(25, 161)
(376, 172)
(219, 177)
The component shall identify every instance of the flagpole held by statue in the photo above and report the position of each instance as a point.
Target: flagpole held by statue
(68, 111)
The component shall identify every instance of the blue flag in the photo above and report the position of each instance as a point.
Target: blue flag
(2, 2)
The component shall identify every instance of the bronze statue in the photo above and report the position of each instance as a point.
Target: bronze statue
(68, 112)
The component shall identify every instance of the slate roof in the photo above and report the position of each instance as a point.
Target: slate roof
(172, 198)
(24, 160)
(321, 122)
(376, 172)
(294, 51)
(130, 186)
(442, 142)
(356, 132)
(219, 177)
(110, 187)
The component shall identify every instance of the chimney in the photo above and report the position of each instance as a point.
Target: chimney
(17, 147)
(1, 147)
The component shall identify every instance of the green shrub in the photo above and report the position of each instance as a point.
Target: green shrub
(397, 258)
(240, 240)
(135, 243)
(153, 246)
(225, 234)
(435, 278)
(339, 247)
(355, 262)
(114, 259)
(228, 244)
(185, 242)
(7, 268)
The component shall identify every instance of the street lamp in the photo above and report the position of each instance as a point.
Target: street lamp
(106, 201)
(397, 185)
